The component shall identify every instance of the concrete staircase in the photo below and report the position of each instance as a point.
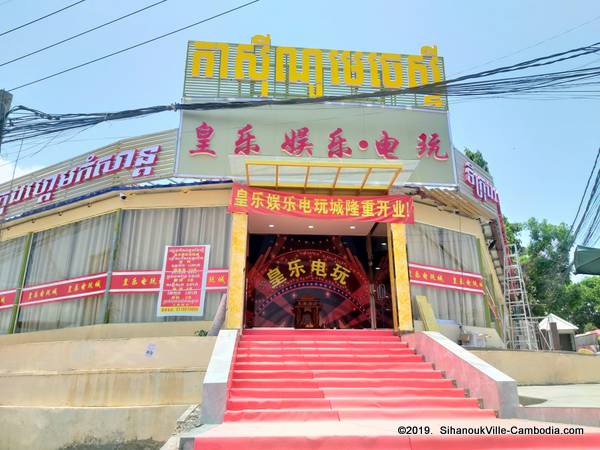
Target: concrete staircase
(338, 375)
(351, 389)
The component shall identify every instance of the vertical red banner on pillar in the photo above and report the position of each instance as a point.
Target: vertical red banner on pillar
(183, 280)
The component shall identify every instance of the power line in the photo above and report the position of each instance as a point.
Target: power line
(41, 18)
(530, 46)
(589, 223)
(585, 190)
(6, 2)
(81, 34)
(28, 123)
(135, 46)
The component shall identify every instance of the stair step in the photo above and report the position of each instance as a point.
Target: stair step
(319, 332)
(333, 365)
(333, 351)
(275, 354)
(341, 383)
(339, 374)
(319, 338)
(357, 392)
(383, 346)
(307, 415)
(385, 441)
(410, 403)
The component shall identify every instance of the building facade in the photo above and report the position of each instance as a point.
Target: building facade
(356, 208)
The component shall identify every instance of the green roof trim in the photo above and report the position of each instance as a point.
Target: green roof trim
(587, 260)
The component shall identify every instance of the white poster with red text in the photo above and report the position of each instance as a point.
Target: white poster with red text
(183, 281)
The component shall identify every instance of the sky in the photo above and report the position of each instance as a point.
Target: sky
(540, 152)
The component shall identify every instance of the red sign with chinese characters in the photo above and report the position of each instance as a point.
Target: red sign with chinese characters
(148, 281)
(135, 282)
(7, 299)
(70, 289)
(183, 281)
(389, 208)
(441, 278)
(122, 282)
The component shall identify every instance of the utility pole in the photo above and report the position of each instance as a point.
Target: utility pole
(5, 102)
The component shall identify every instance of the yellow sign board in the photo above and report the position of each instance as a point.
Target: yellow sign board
(219, 69)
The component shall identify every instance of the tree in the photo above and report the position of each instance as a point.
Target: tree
(513, 229)
(478, 159)
(547, 268)
(582, 304)
(546, 264)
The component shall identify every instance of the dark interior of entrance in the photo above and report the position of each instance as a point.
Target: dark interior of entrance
(318, 281)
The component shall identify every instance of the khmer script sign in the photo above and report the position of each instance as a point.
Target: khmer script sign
(258, 69)
(140, 161)
(125, 162)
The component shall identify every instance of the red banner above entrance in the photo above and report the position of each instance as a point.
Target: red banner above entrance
(388, 208)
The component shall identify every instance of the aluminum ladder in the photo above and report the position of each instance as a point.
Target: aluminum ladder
(520, 332)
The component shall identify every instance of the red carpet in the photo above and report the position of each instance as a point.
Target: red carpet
(350, 389)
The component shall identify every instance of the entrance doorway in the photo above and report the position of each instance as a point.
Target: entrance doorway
(314, 274)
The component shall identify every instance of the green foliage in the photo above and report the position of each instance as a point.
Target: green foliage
(546, 265)
(547, 269)
(512, 232)
(582, 303)
(200, 333)
(478, 159)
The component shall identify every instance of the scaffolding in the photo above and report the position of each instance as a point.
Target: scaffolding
(520, 330)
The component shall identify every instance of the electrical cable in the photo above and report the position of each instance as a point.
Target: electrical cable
(139, 44)
(41, 18)
(585, 191)
(530, 46)
(36, 123)
(27, 123)
(590, 218)
(81, 34)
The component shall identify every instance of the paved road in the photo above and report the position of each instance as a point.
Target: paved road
(564, 395)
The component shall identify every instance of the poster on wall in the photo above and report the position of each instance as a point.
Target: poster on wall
(183, 281)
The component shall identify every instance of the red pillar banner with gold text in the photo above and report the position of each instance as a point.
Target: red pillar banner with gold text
(183, 281)
(442, 278)
(387, 208)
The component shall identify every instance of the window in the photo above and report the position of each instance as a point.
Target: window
(452, 250)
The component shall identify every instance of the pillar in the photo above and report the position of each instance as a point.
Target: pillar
(401, 283)
(20, 283)
(237, 271)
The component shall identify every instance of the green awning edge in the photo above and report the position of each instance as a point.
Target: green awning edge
(587, 260)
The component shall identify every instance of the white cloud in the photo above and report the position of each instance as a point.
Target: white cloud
(7, 168)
